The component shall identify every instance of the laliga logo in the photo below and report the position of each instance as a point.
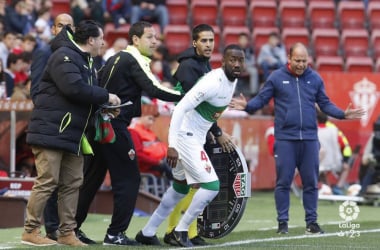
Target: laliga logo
(349, 211)
(365, 95)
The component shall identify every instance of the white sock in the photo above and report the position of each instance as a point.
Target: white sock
(169, 200)
(200, 200)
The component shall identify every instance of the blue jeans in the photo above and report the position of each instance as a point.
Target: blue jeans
(267, 69)
(160, 13)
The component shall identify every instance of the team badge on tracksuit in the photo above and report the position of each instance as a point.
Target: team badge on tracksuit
(132, 154)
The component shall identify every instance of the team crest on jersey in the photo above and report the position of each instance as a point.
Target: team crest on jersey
(132, 154)
(208, 168)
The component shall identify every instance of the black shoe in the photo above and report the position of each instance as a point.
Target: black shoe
(182, 238)
(198, 241)
(169, 238)
(147, 240)
(52, 235)
(119, 240)
(282, 227)
(313, 228)
(83, 237)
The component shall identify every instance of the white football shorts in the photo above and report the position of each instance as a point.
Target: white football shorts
(194, 164)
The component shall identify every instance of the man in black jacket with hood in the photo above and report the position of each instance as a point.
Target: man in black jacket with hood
(127, 74)
(65, 102)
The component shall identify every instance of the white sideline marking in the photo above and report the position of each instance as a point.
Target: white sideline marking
(244, 242)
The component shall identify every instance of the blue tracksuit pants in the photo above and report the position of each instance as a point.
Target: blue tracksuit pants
(305, 156)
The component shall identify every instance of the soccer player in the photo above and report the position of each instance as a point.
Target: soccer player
(191, 120)
(194, 63)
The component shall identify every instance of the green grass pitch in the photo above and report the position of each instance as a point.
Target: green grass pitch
(256, 230)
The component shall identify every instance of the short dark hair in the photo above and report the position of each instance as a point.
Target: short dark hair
(275, 34)
(13, 58)
(231, 47)
(137, 29)
(85, 30)
(321, 117)
(200, 28)
(29, 37)
(243, 34)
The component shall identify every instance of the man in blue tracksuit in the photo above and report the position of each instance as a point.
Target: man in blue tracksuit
(296, 89)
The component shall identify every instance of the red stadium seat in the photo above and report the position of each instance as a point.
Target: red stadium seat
(263, 13)
(260, 36)
(321, 14)
(291, 36)
(178, 11)
(216, 60)
(233, 12)
(59, 7)
(375, 42)
(204, 11)
(326, 41)
(351, 14)
(329, 63)
(373, 14)
(359, 64)
(217, 39)
(230, 34)
(292, 13)
(110, 33)
(355, 42)
(177, 38)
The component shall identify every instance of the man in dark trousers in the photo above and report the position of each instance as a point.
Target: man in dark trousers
(296, 89)
(128, 74)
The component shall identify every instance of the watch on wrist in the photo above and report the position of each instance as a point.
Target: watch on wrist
(218, 133)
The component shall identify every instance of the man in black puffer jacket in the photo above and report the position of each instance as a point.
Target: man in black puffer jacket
(63, 106)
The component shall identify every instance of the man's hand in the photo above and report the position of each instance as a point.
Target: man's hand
(225, 141)
(113, 99)
(353, 113)
(111, 112)
(172, 157)
(238, 103)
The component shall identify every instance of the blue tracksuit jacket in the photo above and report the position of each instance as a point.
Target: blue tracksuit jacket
(294, 103)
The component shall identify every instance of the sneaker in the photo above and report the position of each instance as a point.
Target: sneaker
(198, 241)
(147, 240)
(373, 189)
(119, 240)
(313, 228)
(69, 239)
(282, 227)
(34, 238)
(170, 239)
(52, 235)
(182, 238)
(83, 237)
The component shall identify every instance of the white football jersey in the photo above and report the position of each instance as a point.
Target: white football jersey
(202, 106)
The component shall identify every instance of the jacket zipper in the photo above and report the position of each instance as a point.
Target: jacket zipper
(89, 114)
(300, 105)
